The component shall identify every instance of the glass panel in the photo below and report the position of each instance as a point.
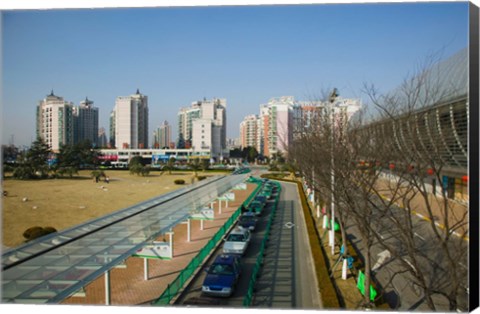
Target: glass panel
(44, 273)
(33, 249)
(12, 289)
(13, 257)
(44, 260)
(63, 269)
(76, 273)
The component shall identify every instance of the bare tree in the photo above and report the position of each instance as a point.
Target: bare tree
(389, 169)
(425, 121)
(328, 151)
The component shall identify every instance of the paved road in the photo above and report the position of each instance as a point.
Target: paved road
(192, 293)
(400, 291)
(288, 280)
(285, 280)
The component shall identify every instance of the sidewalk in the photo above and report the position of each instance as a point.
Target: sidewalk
(350, 294)
(127, 284)
(457, 212)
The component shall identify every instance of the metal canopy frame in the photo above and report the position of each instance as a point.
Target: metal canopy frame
(54, 267)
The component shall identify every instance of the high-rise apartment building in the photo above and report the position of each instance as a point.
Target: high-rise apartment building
(311, 115)
(278, 124)
(55, 121)
(162, 136)
(203, 133)
(283, 119)
(86, 122)
(102, 138)
(204, 125)
(111, 139)
(249, 132)
(130, 117)
(263, 131)
(185, 126)
(233, 143)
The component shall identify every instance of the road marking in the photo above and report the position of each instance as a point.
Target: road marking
(439, 225)
(408, 262)
(382, 258)
(416, 234)
(289, 225)
(466, 238)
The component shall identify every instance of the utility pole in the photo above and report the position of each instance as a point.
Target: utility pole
(332, 98)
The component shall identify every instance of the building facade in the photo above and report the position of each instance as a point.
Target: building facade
(309, 116)
(111, 138)
(233, 143)
(55, 121)
(162, 136)
(86, 122)
(185, 126)
(274, 126)
(203, 134)
(435, 127)
(102, 138)
(119, 158)
(130, 121)
(204, 125)
(283, 119)
(249, 132)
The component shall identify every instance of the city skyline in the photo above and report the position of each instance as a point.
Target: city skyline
(245, 54)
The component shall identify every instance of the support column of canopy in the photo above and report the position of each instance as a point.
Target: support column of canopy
(107, 288)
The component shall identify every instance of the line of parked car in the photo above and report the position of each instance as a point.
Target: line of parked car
(224, 273)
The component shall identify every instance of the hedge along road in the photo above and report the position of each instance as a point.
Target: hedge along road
(285, 279)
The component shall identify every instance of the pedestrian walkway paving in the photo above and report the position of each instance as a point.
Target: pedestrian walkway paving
(128, 285)
(457, 213)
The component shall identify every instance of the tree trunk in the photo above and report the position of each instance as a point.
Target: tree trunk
(367, 277)
(344, 239)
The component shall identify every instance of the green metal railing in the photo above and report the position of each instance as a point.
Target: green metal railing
(249, 199)
(177, 284)
(174, 287)
(247, 301)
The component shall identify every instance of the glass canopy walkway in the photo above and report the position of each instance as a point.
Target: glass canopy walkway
(56, 266)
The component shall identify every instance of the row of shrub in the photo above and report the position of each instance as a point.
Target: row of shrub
(37, 232)
(181, 181)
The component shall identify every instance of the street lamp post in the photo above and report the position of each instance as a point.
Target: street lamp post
(313, 188)
(332, 98)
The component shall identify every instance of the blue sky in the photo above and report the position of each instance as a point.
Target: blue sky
(246, 54)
